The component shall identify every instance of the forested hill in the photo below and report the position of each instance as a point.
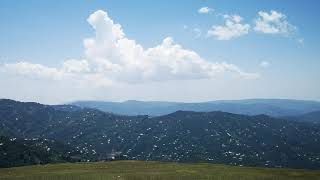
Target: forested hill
(182, 136)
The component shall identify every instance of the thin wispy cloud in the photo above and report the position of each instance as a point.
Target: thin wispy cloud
(300, 40)
(197, 32)
(264, 64)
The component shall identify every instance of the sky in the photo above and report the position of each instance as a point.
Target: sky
(59, 51)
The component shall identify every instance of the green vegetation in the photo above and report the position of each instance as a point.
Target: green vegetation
(139, 170)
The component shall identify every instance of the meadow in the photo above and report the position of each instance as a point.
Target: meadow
(140, 170)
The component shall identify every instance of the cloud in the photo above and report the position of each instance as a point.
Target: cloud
(32, 70)
(300, 40)
(264, 64)
(197, 32)
(73, 71)
(75, 66)
(233, 28)
(273, 23)
(110, 57)
(205, 10)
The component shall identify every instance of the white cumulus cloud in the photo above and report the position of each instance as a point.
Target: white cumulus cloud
(32, 70)
(273, 23)
(205, 10)
(110, 57)
(233, 28)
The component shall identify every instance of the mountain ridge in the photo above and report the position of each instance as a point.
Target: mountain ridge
(182, 136)
(272, 107)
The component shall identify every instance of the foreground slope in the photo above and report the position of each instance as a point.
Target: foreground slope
(19, 152)
(183, 136)
(138, 170)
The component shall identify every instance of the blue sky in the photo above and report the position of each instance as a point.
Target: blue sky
(48, 33)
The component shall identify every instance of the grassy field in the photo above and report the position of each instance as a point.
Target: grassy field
(138, 170)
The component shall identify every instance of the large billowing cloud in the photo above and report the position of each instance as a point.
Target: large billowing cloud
(110, 57)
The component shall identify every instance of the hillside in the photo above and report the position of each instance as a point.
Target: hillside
(272, 107)
(138, 170)
(183, 136)
(18, 152)
(312, 117)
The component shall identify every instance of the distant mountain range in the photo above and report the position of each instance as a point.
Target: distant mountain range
(182, 136)
(271, 107)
